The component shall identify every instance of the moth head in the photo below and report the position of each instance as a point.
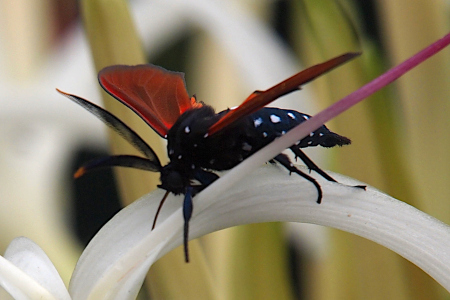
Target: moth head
(172, 180)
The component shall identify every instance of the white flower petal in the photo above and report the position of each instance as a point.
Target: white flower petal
(18, 284)
(27, 273)
(274, 196)
(121, 249)
(118, 257)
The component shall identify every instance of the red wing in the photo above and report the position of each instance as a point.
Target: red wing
(158, 96)
(259, 99)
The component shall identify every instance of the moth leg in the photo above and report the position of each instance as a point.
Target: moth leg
(187, 214)
(285, 162)
(310, 164)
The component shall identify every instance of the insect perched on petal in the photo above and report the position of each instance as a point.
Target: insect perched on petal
(200, 141)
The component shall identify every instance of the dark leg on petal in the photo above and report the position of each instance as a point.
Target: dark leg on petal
(310, 164)
(187, 214)
(285, 162)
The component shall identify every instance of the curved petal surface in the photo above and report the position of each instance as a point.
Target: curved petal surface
(26, 272)
(125, 248)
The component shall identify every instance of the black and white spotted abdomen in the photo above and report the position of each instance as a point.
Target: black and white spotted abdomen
(271, 122)
(226, 150)
(190, 147)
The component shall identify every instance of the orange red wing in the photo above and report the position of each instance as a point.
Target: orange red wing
(259, 99)
(158, 96)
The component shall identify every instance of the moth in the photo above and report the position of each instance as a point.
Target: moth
(200, 141)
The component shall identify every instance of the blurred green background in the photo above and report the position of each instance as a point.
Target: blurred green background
(227, 49)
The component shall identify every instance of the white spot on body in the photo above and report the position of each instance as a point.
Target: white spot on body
(320, 134)
(187, 129)
(179, 156)
(311, 134)
(171, 151)
(305, 117)
(291, 115)
(310, 142)
(195, 145)
(257, 122)
(192, 166)
(205, 136)
(275, 119)
(246, 147)
(283, 132)
(212, 161)
(264, 134)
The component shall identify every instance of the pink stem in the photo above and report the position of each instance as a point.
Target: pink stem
(332, 111)
(381, 81)
(345, 103)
